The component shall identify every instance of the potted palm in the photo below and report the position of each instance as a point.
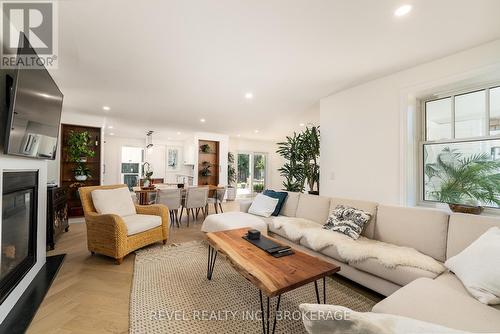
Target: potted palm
(292, 170)
(79, 150)
(231, 177)
(309, 147)
(464, 183)
(301, 154)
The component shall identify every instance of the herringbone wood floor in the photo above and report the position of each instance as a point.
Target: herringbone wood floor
(91, 294)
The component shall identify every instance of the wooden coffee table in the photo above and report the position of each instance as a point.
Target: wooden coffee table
(273, 276)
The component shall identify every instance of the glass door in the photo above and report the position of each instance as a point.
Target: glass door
(259, 172)
(244, 175)
(251, 173)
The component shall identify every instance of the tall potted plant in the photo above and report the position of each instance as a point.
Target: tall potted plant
(79, 150)
(310, 143)
(292, 170)
(301, 154)
(231, 177)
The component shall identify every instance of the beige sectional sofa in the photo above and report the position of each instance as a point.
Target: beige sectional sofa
(411, 292)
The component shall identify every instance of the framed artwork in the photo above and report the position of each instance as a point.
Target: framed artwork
(173, 155)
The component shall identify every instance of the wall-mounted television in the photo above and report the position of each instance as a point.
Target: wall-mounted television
(34, 109)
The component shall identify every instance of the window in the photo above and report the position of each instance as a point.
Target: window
(461, 148)
(495, 111)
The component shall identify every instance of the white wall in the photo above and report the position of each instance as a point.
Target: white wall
(368, 132)
(14, 163)
(274, 180)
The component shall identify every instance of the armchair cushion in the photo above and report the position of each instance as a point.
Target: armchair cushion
(140, 223)
(113, 201)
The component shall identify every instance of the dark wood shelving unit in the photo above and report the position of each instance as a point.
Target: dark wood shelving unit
(212, 157)
(67, 177)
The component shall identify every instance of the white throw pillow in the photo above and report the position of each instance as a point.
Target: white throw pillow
(113, 201)
(333, 319)
(263, 205)
(478, 267)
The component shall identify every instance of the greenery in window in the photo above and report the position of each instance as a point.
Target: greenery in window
(260, 166)
(258, 188)
(458, 179)
(231, 171)
(243, 166)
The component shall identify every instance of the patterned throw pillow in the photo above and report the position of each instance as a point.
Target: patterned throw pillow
(347, 220)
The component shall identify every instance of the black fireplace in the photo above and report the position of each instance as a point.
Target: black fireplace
(18, 228)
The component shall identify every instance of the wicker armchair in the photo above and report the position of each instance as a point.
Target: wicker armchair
(107, 233)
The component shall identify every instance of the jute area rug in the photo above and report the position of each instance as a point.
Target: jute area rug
(171, 294)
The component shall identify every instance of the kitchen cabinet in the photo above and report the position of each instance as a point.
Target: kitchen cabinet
(189, 151)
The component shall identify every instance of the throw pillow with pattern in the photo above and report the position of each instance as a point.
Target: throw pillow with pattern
(347, 220)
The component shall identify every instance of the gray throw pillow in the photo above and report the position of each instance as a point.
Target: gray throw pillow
(347, 220)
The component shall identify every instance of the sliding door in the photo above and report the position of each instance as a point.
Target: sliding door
(244, 176)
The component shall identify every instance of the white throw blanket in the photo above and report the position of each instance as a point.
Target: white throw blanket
(352, 251)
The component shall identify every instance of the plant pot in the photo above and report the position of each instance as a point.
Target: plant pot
(314, 192)
(83, 159)
(460, 208)
(231, 194)
(81, 177)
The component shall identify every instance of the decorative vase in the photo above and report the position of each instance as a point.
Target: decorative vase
(81, 177)
(461, 208)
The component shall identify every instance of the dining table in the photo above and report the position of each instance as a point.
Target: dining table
(143, 194)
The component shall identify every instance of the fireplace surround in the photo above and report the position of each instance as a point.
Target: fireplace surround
(18, 228)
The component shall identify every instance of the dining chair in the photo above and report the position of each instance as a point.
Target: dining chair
(172, 199)
(217, 199)
(196, 199)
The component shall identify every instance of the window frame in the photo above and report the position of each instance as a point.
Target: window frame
(422, 140)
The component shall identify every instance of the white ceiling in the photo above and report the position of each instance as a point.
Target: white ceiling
(165, 64)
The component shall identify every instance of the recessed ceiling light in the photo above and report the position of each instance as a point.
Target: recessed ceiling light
(178, 133)
(169, 138)
(403, 10)
(238, 135)
(249, 95)
(110, 127)
(111, 134)
(301, 124)
(202, 120)
(106, 108)
(256, 131)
